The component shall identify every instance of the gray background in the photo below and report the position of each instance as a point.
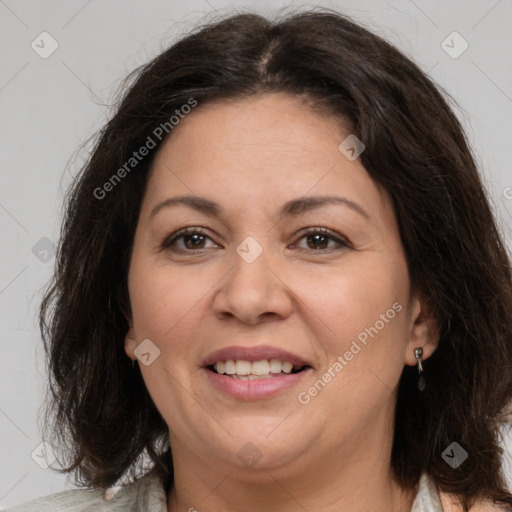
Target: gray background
(49, 107)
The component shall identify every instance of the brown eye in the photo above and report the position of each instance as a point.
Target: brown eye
(194, 241)
(320, 239)
(189, 239)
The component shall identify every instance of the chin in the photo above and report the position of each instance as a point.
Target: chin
(256, 447)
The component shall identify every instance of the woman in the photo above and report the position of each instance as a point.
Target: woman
(284, 230)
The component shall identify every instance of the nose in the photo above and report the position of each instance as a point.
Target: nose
(253, 292)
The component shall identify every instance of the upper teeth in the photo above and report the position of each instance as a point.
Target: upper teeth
(243, 367)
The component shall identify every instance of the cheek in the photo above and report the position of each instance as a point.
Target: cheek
(361, 322)
(165, 304)
(351, 298)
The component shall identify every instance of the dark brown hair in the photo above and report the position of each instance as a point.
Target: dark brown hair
(415, 149)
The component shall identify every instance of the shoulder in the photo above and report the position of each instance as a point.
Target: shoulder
(449, 504)
(146, 493)
(430, 498)
(75, 500)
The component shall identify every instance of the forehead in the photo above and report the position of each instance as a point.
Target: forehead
(261, 150)
(271, 126)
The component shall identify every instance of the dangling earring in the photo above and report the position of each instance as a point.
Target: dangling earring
(418, 352)
(133, 363)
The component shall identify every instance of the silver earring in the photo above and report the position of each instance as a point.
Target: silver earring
(418, 353)
(133, 363)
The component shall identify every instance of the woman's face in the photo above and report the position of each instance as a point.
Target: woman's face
(293, 257)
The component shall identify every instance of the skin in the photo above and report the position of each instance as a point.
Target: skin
(251, 156)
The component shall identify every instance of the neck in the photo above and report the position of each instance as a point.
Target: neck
(273, 495)
(329, 481)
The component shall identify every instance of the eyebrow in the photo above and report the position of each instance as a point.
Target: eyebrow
(292, 208)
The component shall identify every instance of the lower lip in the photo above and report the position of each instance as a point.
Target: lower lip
(254, 389)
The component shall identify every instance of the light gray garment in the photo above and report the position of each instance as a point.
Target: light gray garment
(427, 499)
(148, 495)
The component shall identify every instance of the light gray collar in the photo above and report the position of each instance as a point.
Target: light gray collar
(427, 499)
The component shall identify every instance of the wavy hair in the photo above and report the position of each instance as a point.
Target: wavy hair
(98, 406)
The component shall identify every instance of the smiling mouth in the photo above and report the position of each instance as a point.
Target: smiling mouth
(246, 370)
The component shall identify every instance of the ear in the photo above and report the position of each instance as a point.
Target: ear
(130, 343)
(423, 330)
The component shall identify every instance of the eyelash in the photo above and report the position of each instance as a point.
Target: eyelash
(168, 241)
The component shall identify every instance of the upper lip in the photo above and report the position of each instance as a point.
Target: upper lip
(258, 353)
